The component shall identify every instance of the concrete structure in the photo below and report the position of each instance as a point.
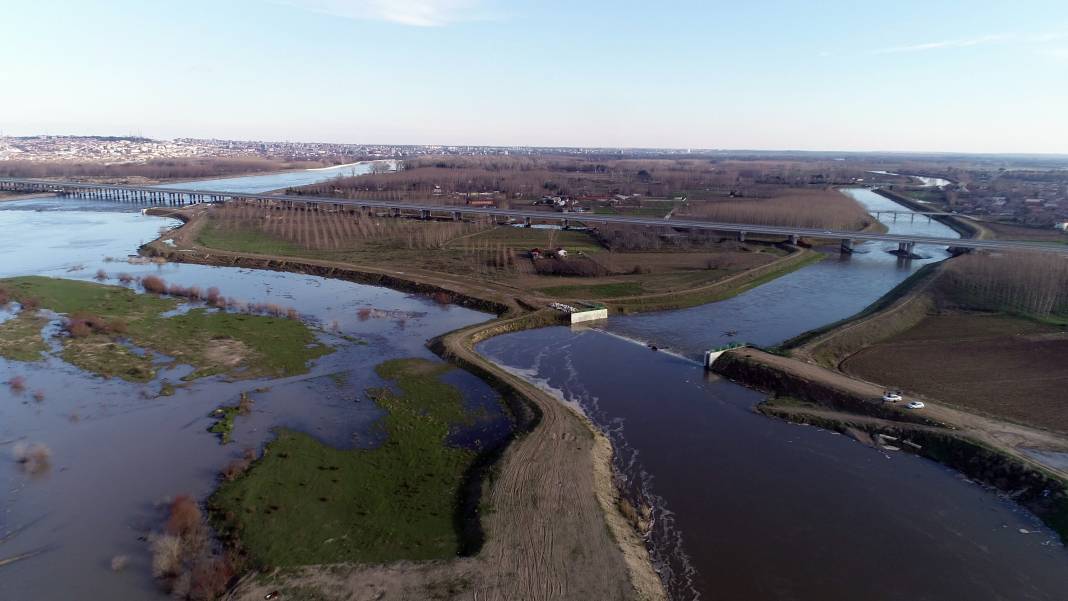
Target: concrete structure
(177, 196)
(589, 315)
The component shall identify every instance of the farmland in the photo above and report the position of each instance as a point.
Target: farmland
(1008, 367)
(599, 265)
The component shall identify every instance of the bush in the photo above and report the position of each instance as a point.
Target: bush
(30, 303)
(125, 278)
(5, 296)
(154, 284)
(33, 458)
(101, 275)
(17, 384)
(166, 556)
(184, 516)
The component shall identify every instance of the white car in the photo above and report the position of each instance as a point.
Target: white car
(915, 405)
(891, 396)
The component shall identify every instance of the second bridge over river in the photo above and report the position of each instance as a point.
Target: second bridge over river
(178, 197)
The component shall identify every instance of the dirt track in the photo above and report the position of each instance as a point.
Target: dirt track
(554, 530)
(1006, 437)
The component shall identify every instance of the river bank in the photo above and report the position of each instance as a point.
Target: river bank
(592, 559)
(993, 452)
(354, 574)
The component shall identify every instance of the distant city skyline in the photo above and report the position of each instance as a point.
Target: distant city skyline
(975, 77)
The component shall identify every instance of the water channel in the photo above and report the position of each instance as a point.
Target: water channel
(754, 508)
(747, 507)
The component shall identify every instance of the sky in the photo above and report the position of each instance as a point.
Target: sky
(908, 75)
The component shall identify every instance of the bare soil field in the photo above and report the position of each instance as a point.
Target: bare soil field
(1007, 367)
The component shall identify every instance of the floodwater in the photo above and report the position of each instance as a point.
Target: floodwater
(256, 184)
(119, 450)
(753, 508)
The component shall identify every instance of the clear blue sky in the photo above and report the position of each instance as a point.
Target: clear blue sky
(844, 75)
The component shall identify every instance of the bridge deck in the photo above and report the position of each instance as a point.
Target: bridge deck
(557, 217)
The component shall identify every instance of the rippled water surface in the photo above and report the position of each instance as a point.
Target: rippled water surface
(119, 449)
(755, 508)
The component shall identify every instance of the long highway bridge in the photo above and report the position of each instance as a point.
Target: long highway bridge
(178, 196)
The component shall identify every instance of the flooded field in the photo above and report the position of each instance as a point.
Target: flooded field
(120, 449)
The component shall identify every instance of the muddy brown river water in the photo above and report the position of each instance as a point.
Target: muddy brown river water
(753, 508)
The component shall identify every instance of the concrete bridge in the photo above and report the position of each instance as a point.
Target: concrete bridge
(160, 195)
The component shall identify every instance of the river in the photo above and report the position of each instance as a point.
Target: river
(747, 507)
(754, 508)
(119, 451)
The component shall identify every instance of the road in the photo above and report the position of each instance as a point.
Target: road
(552, 217)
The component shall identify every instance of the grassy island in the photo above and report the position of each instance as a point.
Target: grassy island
(307, 503)
(123, 331)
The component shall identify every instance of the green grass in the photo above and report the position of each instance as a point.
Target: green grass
(522, 238)
(611, 290)
(224, 423)
(307, 503)
(239, 345)
(244, 240)
(20, 337)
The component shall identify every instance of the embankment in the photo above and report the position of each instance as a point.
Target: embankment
(895, 312)
(546, 501)
(975, 446)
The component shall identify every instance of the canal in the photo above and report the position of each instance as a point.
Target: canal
(748, 507)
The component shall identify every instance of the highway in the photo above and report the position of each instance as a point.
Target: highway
(741, 229)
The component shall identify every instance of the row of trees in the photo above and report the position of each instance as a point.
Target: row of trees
(1029, 283)
(335, 230)
(533, 176)
(797, 207)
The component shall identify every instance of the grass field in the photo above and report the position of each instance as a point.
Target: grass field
(308, 503)
(486, 253)
(20, 337)
(240, 345)
(1008, 367)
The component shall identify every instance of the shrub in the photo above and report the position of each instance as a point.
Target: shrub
(239, 466)
(292, 313)
(117, 326)
(184, 516)
(209, 578)
(77, 328)
(17, 384)
(154, 284)
(33, 458)
(39, 396)
(30, 303)
(5, 295)
(101, 275)
(166, 556)
(194, 293)
(125, 278)
(119, 563)
(212, 295)
(244, 406)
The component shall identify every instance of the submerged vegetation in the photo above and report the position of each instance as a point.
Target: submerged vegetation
(113, 331)
(305, 502)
